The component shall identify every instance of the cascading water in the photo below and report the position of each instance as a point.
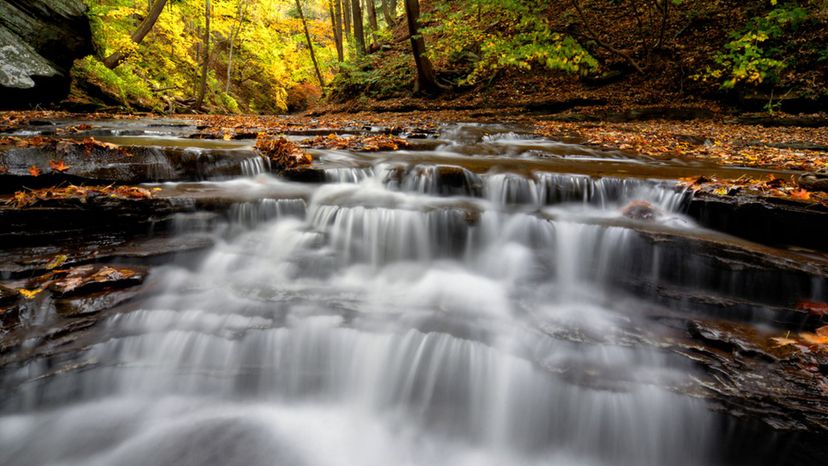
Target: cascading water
(391, 318)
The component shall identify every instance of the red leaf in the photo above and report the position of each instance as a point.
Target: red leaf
(814, 308)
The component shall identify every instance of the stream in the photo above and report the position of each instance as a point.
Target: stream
(484, 297)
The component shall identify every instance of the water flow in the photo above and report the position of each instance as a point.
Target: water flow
(386, 321)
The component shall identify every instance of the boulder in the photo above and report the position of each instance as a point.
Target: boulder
(39, 41)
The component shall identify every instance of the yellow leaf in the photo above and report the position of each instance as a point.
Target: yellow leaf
(57, 261)
(782, 341)
(30, 294)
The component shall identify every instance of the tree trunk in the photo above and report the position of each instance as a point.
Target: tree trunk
(426, 81)
(233, 36)
(346, 16)
(310, 43)
(202, 90)
(359, 32)
(144, 28)
(372, 16)
(389, 14)
(335, 7)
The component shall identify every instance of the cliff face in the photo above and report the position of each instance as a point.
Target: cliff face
(39, 40)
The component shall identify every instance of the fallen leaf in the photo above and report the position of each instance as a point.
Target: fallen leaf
(801, 194)
(57, 261)
(782, 341)
(814, 308)
(30, 294)
(58, 166)
(34, 171)
(814, 339)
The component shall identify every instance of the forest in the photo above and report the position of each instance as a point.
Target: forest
(278, 56)
(414, 232)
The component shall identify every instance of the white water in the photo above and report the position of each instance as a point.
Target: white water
(382, 322)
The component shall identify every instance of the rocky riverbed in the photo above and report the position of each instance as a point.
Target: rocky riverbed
(173, 258)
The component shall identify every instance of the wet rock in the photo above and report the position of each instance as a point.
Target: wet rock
(750, 376)
(39, 40)
(93, 303)
(727, 338)
(91, 161)
(304, 175)
(454, 180)
(7, 296)
(771, 221)
(88, 278)
(62, 218)
(640, 210)
(9, 316)
(817, 181)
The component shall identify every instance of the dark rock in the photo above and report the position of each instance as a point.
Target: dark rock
(817, 181)
(7, 295)
(640, 210)
(39, 40)
(304, 174)
(771, 221)
(94, 302)
(750, 375)
(88, 278)
(95, 162)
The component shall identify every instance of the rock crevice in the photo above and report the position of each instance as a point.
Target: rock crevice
(39, 40)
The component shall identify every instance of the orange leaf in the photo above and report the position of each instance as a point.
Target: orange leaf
(58, 166)
(801, 194)
(814, 339)
(34, 171)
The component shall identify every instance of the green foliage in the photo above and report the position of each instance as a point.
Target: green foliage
(756, 54)
(390, 77)
(488, 36)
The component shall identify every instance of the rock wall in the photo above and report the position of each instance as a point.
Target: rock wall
(39, 40)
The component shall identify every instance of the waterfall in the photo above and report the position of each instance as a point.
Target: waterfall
(403, 313)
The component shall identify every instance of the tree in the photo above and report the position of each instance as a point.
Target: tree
(233, 37)
(202, 90)
(651, 19)
(389, 12)
(144, 28)
(310, 43)
(359, 32)
(426, 81)
(346, 16)
(335, 7)
(372, 18)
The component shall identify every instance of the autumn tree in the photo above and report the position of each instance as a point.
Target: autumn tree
(234, 35)
(335, 9)
(202, 89)
(346, 18)
(389, 12)
(359, 31)
(144, 28)
(371, 11)
(310, 43)
(426, 81)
